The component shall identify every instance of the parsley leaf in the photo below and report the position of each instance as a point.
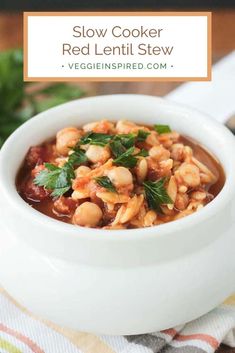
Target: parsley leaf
(155, 194)
(127, 140)
(56, 180)
(63, 181)
(60, 179)
(77, 158)
(142, 135)
(106, 183)
(47, 177)
(126, 159)
(162, 129)
(51, 167)
(142, 153)
(119, 144)
(117, 147)
(95, 138)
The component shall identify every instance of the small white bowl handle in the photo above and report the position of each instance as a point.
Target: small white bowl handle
(216, 97)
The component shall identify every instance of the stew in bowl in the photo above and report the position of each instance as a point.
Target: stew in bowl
(119, 175)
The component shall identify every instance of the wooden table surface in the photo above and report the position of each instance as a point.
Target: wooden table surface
(223, 42)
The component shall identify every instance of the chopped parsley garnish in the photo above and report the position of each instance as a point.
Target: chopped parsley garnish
(95, 138)
(117, 147)
(123, 146)
(162, 129)
(59, 179)
(142, 153)
(77, 158)
(55, 178)
(119, 144)
(127, 140)
(142, 135)
(106, 183)
(156, 194)
(126, 159)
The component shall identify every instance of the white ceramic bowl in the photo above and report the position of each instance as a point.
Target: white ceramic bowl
(120, 281)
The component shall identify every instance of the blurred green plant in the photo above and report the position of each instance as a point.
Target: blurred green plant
(19, 100)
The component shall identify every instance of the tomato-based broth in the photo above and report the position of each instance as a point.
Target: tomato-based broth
(119, 176)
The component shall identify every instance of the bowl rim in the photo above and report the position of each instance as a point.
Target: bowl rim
(212, 208)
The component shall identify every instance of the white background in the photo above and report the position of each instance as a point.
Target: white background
(188, 35)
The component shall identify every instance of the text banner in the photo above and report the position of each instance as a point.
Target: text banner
(117, 46)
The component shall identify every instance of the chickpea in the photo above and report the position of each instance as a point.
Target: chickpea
(181, 201)
(82, 171)
(102, 126)
(183, 189)
(88, 214)
(97, 154)
(188, 153)
(177, 151)
(142, 169)
(125, 126)
(120, 176)
(190, 174)
(198, 195)
(67, 138)
(152, 139)
(195, 205)
(159, 153)
(165, 167)
(90, 126)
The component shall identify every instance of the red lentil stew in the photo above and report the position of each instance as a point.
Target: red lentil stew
(119, 175)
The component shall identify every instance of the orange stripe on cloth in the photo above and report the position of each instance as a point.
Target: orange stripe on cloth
(199, 336)
(86, 342)
(171, 332)
(26, 340)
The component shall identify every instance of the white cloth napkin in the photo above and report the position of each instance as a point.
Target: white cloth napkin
(21, 333)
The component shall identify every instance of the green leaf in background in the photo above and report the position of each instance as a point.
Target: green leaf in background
(11, 80)
(62, 90)
(19, 101)
(56, 94)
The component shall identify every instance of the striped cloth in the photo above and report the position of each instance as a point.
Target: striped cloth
(20, 332)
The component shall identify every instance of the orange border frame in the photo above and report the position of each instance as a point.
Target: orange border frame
(141, 13)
